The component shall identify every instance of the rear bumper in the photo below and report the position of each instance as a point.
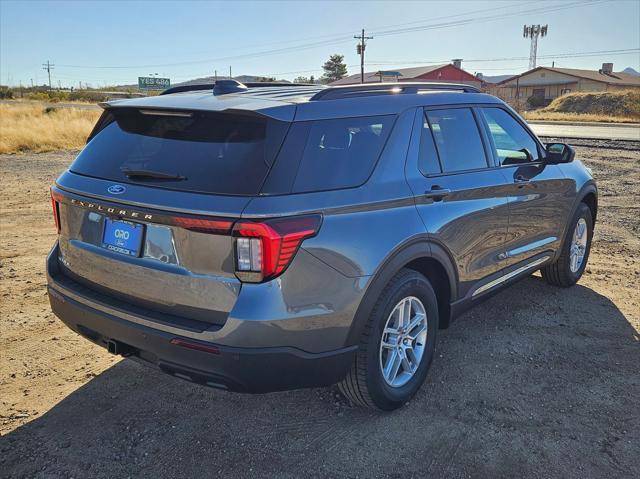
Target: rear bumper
(252, 370)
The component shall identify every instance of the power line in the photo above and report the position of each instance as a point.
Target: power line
(467, 21)
(566, 55)
(343, 39)
(627, 51)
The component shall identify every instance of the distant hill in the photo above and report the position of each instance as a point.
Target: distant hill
(631, 71)
(211, 79)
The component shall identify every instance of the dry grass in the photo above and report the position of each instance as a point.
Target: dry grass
(34, 128)
(610, 106)
(562, 116)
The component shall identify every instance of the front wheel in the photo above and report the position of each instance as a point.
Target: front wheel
(569, 267)
(397, 345)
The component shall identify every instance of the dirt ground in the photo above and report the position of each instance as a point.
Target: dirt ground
(536, 382)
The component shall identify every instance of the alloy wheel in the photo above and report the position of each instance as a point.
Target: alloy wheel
(403, 342)
(578, 246)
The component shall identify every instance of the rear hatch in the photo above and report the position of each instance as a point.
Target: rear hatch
(146, 210)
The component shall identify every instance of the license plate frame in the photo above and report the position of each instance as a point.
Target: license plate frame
(123, 237)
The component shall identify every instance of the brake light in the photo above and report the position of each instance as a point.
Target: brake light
(204, 225)
(56, 210)
(265, 249)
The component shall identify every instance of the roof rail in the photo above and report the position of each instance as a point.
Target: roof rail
(183, 88)
(211, 86)
(368, 89)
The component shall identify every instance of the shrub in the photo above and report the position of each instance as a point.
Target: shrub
(6, 93)
(88, 96)
(38, 95)
(536, 101)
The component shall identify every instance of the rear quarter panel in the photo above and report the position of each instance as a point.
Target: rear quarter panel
(362, 225)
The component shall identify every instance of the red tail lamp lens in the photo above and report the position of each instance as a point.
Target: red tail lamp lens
(204, 225)
(56, 210)
(265, 249)
(197, 346)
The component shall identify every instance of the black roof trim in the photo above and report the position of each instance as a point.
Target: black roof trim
(369, 89)
(211, 86)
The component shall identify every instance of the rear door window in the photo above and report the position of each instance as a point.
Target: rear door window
(199, 151)
(428, 161)
(338, 153)
(457, 139)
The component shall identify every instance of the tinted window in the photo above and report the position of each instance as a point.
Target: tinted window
(428, 162)
(213, 152)
(511, 140)
(339, 153)
(457, 139)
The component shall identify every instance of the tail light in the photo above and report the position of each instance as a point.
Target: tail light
(217, 226)
(265, 249)
(56, 211)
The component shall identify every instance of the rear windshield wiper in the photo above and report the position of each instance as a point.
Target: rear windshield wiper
(150, 174)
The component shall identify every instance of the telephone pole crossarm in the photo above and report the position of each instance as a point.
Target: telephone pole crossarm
(48, 67)
(360, 50)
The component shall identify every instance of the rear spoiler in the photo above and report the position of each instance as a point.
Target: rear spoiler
(108, 116)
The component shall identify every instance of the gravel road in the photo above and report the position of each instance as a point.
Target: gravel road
(535, 382)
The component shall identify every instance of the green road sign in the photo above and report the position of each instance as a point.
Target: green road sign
(153, 83)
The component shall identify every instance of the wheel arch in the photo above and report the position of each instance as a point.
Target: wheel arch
(423, 256)
(590, 198)
(588, 195)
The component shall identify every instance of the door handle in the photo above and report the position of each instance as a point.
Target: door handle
(521, 179)
(436, 193)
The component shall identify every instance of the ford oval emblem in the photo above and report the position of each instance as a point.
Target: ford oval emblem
(116, 189)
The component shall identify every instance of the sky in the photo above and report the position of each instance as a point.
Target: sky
(110, 43)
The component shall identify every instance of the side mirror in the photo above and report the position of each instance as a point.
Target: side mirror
(560, 153)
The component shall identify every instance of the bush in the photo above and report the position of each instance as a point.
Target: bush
(6, 93)
(537, 101)
(38, 95)
(88, 96)
(52, 96)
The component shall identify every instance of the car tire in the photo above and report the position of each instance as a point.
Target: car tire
(567, 270)
(367, 384)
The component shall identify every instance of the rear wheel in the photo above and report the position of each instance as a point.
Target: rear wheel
(397, 345)
(569, 267)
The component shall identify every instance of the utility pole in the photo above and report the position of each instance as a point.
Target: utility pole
(533, 32)
(215, 75)
(48, 67)
(230, 77)
(31, 82)
(360, 49)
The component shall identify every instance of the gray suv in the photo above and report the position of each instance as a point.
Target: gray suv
(266, 237)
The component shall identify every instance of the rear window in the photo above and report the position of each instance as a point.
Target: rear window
(324, 155)
(209, 152)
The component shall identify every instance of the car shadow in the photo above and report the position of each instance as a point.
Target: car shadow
(537, 381)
